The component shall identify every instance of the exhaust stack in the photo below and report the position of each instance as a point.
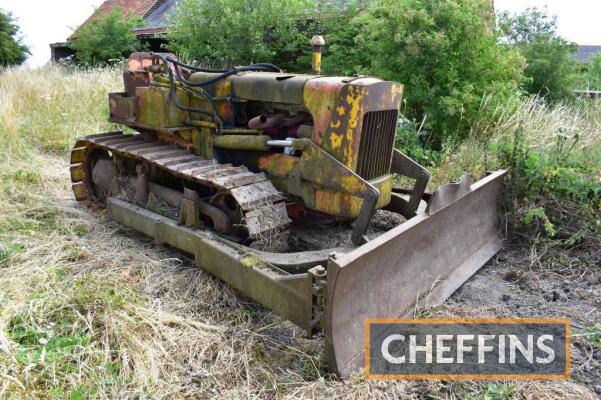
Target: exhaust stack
(317, 42)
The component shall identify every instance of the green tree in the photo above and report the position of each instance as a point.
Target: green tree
(108, 37)
(234, 32)
(446, 53)
(593, 75)
(12, 50)
(551, 69)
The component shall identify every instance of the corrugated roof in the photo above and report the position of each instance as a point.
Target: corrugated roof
(157, 17)
(585, 53)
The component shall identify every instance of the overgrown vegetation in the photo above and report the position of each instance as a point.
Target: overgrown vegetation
(107, 38)
(12, 49)
(553, 153)
(236, 32)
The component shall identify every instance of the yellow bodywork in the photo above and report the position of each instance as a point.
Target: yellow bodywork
(338, 107)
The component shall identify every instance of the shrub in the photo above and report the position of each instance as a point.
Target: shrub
(445, 52)
(107, 38)
(12, 50)
(235, 32)
(594, 72)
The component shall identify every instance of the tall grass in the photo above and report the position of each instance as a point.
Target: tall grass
(45, 109)
(89, 310)
(564, 131)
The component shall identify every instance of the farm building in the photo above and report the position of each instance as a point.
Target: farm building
(155, 14)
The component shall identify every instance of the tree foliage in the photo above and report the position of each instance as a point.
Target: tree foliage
(235, 32)
(106, 38)
(445, 52)
(12, 50)
(551, 69)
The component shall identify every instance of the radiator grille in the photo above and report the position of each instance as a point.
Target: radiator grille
(377, 142)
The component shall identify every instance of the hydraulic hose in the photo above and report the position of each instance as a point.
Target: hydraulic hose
(223, 73)
(267, 66)
(173, 98)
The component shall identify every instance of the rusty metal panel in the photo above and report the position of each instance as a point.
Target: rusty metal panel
(122, 107)
(157, 110)
(430, 255)
(270, 86)
(342, 136)
(286, 294)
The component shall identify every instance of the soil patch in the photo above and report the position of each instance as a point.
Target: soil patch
(522, 282)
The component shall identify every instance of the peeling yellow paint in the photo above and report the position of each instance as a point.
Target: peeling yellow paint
(396, 93)
(336, 140)
(354, 100)
(352, 184)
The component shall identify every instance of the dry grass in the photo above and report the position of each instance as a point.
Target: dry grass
(90, 310)
(541, 126)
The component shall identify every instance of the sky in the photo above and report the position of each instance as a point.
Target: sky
(48, 21)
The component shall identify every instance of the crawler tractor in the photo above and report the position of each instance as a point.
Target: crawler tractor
(235, 157)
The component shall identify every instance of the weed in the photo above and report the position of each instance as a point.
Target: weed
(538, 214)
(553, 154)
(494, 391)
(6, 251)
(594, 335)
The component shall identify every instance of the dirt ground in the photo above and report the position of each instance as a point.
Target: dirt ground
(516, 283)
(314, 236)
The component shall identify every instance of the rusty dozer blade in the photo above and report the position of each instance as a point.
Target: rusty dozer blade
(419, 263)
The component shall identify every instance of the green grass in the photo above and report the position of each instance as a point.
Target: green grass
(493, 391)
